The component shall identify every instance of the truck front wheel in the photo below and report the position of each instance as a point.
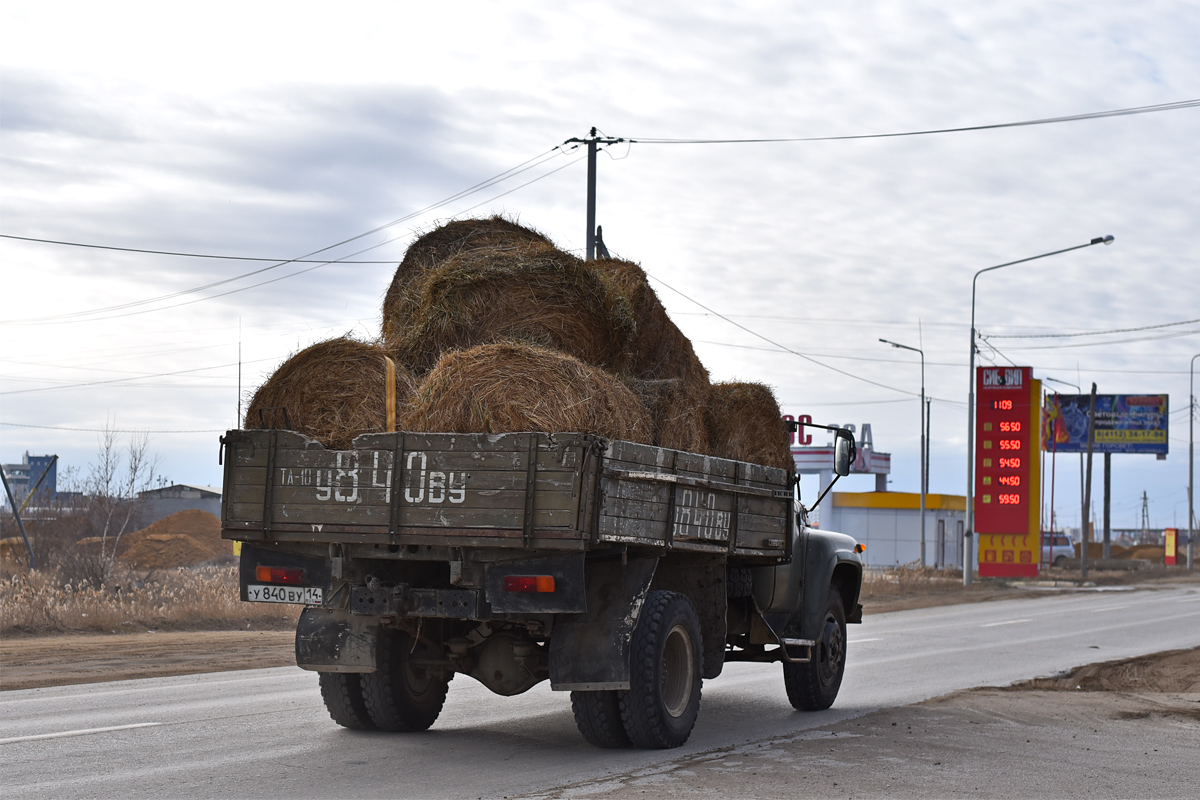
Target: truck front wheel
(343, 696)
(813, 685)
(660, 707)
(399, 695)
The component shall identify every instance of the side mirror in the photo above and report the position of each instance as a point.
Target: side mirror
(843, 451)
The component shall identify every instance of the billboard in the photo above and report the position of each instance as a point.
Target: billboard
(1125, 423)
(1007, 471)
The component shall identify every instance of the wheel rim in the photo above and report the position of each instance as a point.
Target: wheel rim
(678, 666)
(833, 650)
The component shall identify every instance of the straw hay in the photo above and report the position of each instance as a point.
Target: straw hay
(438, 245)
(332, 391)
(532, 293)
(676, 415)
(657, 349)
(511, 387)
(744, 423)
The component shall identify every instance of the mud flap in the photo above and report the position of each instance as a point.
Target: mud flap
(593, 654)
(334, 640)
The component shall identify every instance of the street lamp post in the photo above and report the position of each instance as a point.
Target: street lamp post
(1191, 547)
(968, 531)
(924, 488)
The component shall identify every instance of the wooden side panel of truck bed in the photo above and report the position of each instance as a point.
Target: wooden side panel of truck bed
(519, 490)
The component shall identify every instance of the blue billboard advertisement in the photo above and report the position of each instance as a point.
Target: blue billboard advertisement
(1125, 423)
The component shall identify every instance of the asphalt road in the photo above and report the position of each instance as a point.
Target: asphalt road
(264, 733)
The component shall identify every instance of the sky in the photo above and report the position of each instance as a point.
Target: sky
(275, 131)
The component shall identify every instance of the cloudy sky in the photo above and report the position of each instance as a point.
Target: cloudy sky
(276, 130)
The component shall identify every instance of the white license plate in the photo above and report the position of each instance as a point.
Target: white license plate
(304, 595)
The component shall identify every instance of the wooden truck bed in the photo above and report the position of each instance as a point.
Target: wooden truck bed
(561, 491)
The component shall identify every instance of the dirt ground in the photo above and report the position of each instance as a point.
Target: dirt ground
(1120, 729)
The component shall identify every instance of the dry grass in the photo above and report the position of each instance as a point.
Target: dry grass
(511, 387)
(532, 293)
(436, 246)
(904, 581)
(195, 597)
(744, 423)
(332, 391)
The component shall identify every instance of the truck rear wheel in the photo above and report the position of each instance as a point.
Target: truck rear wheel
(343, 696)
(813, 685)
(660, 707)
(598, 717)
(400, 696)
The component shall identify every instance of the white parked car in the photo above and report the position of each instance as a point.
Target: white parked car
(1056, 549)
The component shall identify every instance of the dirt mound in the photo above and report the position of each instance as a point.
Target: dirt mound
(332, 391)
(532, 293)
(1172, 671)
(744, 423)
(170, 550)
(185, 538)
(436, 246)
(509, 387)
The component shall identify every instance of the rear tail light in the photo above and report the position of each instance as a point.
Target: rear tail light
(529, 583)
(288, 575)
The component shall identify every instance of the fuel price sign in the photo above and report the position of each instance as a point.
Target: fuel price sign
(1007, 471)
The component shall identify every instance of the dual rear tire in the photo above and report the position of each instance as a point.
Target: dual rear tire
(400, 695)
(660, 707)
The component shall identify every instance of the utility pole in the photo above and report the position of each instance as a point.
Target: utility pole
(17, 515)
(1191, 543)
(1107, 506)
(593, 139)
(1087, 495)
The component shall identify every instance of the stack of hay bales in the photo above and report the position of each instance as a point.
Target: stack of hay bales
(493, 329)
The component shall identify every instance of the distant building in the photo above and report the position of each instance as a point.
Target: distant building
(889, 524)
(167, 500)
(21, 477)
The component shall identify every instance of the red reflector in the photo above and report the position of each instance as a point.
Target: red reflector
(529, 583)
(292, 575)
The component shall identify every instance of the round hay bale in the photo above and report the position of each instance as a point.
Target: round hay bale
(676, 414)
(511, 387)
(533, 293)
(332, 391)
(438, 245)
(657, 349)
(744, 423)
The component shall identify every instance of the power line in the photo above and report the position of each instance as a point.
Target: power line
(131, 378)
(509, 173)
(101, 430)
(174, 253)
(1091, 333)
(777, 344)
(1175, 335)
(1119, 112)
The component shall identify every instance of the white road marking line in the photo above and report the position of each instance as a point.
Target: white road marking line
(81, 732)
(860, 641)
(1106, 608)
(1006, 622)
